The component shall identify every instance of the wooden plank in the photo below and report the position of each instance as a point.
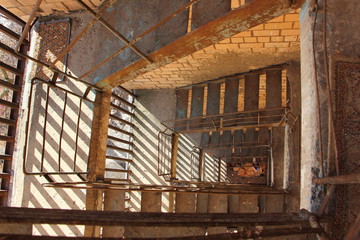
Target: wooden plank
(204, 12)
(274, 204)
(182, 97)
(234, 22)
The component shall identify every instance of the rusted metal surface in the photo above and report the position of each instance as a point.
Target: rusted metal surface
(26, 29)
(234, 22)
(182, 96)
(343, 179)
(11, 119)
(140, 37)
(273, 88)
(102, 10)
(354, 232)
(114, 31)
(204, 12)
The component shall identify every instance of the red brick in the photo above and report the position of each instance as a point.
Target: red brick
(277, 39)
(251, 45)
(250, 39)
(292, 17)
(294, 32)
(277, 45)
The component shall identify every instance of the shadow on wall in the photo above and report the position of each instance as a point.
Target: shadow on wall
(152, 108)
(58, 140)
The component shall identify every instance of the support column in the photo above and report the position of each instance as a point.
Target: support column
(97, 155)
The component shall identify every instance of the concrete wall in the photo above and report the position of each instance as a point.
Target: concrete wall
(340, 38)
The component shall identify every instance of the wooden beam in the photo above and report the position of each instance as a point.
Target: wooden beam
(246, 234)
(120, 218)
(236, 21)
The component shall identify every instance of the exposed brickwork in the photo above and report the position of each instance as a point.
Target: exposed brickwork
(23, 8)
(277, 41)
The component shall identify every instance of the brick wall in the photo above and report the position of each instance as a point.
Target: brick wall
(274, 42)
(23, 8)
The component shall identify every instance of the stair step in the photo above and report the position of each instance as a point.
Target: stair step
(8, 121)
(119, 159)
(116, 180)
(120, 140)
(119, 149)
(121, 130)
(123, 100)
(9, 104)
(121, 120)
(118, 170)
(6, 157)
(3, 193)
(7, 138)
(121, 109)
(5, 175)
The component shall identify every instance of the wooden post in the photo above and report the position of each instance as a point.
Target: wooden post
(97, 155)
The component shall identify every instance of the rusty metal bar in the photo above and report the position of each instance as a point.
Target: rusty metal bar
(7, 138)
(343, 179)
(11, 16)
(11, 34)
(11, 69)
(115, 32)
(139, 37)
(7, 121)
(121, 130)
(121, 120)
(233, 128)
(201, 164)
(28, 25)
(104, 7)
(219, 170)
(120, 140)
(167, 188)
(118, 158)
(9, 104)
(6, 157)
(121, 109)
(49, 85)
(10, 51)
(122, 100)
(44, 129)
(77, 134)
(119, 149)
(9, 85)
(174, 153)
(62, 89)
(62, 130)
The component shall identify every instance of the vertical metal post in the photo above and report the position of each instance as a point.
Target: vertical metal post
(219, 170)
(201, 163)
(174, 152)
